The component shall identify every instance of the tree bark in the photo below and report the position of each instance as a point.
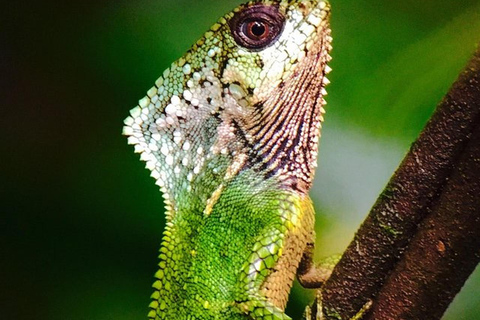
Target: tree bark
(434, 199)
(443, 253)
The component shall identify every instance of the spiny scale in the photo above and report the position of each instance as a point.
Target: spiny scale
(230, 134)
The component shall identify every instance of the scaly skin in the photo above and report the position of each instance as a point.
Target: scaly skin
(230, 134)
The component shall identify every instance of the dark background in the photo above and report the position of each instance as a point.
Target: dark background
(81, 219)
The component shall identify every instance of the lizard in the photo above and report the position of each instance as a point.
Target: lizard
(230, 133)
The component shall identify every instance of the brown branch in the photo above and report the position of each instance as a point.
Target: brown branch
(410, 196)
(443, 253)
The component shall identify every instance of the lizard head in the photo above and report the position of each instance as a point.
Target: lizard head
(247, 96)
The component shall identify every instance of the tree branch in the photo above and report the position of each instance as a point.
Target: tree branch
(443, 253)
(438, 178)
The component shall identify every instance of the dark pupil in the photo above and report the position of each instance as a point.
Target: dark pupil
(258, 29)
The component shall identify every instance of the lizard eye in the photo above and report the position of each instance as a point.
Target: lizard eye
(256, 30)
(257, 27)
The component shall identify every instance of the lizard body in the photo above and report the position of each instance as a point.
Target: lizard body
(230, 133)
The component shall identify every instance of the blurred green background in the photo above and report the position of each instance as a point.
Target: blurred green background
(81, 219)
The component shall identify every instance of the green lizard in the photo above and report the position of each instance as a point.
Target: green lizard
(230, 134)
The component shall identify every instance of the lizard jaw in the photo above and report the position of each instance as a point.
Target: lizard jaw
(284, 128)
